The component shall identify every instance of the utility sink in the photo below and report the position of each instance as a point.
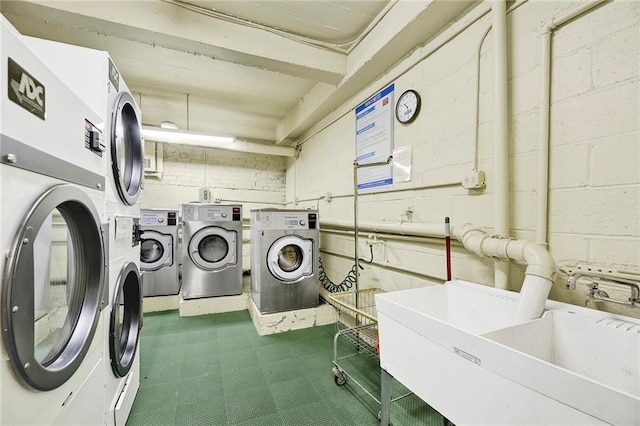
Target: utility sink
(456, 347)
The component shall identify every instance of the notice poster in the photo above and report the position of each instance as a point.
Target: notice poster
(374, 139)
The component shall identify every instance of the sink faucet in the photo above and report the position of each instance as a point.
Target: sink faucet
(596, 294)
(573, 279)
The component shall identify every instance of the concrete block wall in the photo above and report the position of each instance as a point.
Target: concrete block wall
(594, 196)
(254, 179)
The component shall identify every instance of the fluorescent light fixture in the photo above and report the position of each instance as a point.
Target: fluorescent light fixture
(171, 136)
(184, 137)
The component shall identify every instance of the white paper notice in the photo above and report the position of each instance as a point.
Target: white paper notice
(402, 164)
(374, 139)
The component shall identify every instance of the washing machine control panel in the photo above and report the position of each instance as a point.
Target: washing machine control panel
(159, 218)
(212, 212)
(289, 220)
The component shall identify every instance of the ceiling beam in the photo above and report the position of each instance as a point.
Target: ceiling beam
(406, 26)
(160, 23)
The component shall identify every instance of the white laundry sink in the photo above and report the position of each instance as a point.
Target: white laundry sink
(456, 348)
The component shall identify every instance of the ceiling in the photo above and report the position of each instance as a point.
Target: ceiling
(263, 71)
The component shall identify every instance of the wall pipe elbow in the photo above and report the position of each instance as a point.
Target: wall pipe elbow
(538, 260)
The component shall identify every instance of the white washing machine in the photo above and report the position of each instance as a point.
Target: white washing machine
(93, 76)
(284, 259)
(53, 263)
(159, 251)
(212, 250)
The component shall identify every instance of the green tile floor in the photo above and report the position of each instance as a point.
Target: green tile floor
(217, 370)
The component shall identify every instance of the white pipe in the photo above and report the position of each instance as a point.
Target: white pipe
(417, 230)
(539, 261)
(539, 274)
(501, 134)
(543, 145)
(542, 215)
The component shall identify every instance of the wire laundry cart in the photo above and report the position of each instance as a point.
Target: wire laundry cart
(355, 344)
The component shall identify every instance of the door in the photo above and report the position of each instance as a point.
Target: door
(127, 149)
(156, 250)
(213, 248)
(52, 287)
(290, 258)
(125, 320)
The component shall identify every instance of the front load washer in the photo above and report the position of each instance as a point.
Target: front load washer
(284, 259)
(212, 250)
(158, 251)
(53, 263)
(92, 75)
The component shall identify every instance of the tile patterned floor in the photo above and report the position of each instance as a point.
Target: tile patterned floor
(217, 370)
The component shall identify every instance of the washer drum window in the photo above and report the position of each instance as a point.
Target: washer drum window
(126, 319)
(52, 289)
(127, 149)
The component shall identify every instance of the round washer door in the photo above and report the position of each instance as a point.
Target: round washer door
(213, 248)
(156, 250)
(125, 320)
(127, 149)
(290, 258)
(52, 287)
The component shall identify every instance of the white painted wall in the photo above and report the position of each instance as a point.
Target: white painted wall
(235, 177)
(594, 205)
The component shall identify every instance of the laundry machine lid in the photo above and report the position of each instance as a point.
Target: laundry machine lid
(52, 287)
(156, 250)
(125, 320)
(213, 247)
(290, 258)
(127, 149)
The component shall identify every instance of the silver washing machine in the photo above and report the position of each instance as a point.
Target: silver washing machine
(284, 259)
(159, 251)
(211, 250)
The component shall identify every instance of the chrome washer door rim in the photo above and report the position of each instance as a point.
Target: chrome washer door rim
(123, 342)
(18, 288)
(305, 267)
(126, 142)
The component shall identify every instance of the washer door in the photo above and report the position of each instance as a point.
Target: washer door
(126, 319)
(52, 288)
(127, 149)
(290, 258)
(213, 248)
(156, 250)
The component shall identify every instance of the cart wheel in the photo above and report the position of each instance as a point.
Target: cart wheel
(340, 379)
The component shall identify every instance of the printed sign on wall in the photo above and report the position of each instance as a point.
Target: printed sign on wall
(374, 139)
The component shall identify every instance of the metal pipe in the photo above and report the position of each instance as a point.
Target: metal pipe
(542, 219)
(501, 134)
(357, 166)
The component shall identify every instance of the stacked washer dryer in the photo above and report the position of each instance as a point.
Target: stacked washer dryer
(94, 77)
(211, 250)
(158, 251)
(53, 262)
(284, 259)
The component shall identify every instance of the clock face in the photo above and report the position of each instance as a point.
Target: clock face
(408, 106)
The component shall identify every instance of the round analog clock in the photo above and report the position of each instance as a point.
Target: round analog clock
(408, 106)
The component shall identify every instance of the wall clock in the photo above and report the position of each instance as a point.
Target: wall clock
(408, 107)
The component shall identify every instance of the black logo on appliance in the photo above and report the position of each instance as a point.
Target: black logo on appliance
(114, 76)
(25, 90)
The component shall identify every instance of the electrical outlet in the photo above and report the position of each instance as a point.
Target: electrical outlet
(474, 180)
